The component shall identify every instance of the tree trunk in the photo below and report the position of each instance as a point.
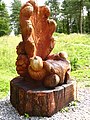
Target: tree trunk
(68, 29)
(80, 18)
(88, 21)
(63, 26)
(30, 97)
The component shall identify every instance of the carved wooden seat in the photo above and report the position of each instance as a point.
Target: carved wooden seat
(37, 42)
(41, 88)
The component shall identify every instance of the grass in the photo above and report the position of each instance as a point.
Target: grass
(7, 62)
(77, 46)
(66, 109)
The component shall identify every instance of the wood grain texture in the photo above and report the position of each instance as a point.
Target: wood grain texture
(36, 100)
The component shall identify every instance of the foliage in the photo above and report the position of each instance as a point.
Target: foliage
(7, 62)
(15, 8)
(4, 20)
(72, 12)
(54, 6)
(78, 48)
(87, 25)
(26, 115)
(71, 17)
(74, 65)
(73, 103)
(65, 109)
(76, 45)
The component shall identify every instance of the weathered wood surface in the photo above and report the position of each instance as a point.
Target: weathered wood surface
(34, 59)
(33, 98)
(36, 29)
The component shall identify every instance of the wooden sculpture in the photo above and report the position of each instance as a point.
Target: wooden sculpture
(41, 88)
(34, 59)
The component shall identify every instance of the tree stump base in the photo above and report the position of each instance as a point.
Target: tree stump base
(31, 97)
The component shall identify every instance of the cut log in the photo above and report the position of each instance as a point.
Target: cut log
(31, 97)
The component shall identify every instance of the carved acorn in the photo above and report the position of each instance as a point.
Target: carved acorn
(63, 55)
(36, 63)
(36, 68)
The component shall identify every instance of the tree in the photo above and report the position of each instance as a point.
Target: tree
(54, 6)
(73, 11)
(87, 4)
(4, 20)
(66, 16)
(15, 8)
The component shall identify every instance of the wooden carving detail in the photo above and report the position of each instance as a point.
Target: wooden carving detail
(34, 59)
(37, 29)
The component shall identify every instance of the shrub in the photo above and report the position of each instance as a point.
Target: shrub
(74, 63)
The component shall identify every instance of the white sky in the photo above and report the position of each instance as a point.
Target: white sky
(40, 2)
(7, 2)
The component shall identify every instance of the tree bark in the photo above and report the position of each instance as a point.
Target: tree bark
(31, 97)
(81, 19)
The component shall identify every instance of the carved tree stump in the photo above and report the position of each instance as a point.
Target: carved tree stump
(36, 100)
(34, 59)
(38, 91)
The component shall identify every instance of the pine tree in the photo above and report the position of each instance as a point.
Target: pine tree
(54, 6)
(4, 20)
(87, 4)
(73, 10)
(15, 8)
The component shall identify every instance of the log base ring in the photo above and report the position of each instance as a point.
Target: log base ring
(28, 96)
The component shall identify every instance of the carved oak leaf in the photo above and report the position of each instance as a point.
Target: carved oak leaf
(37, 29)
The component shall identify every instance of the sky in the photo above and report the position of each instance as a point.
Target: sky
(40, 2)
(8, 3)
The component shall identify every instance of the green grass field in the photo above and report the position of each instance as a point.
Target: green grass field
(77, 46)
(7, 62)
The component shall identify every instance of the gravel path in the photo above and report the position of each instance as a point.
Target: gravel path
(80, 111)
